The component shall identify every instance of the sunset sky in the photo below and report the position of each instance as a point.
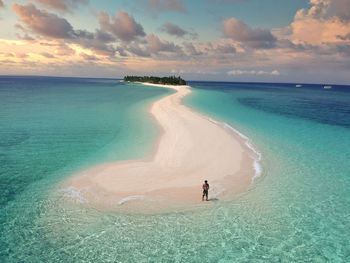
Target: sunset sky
(228, 40)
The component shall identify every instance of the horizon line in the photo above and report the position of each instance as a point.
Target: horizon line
(225, 81)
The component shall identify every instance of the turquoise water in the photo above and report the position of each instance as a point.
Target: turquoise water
(297, 211)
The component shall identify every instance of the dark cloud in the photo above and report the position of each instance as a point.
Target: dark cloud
(121, 52)
(97, 45)
(286, 43)
(345, 37)
(226, 49)
(191, 50)
(47, 55)
(62, 6)
(155, 45)
(98, 41)
(253, 38)
(175, 30)
(123, 26)
(137, 50)
(104, 36)
(43, 23)
(343, 49)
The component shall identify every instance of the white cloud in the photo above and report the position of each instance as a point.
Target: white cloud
(253, 72)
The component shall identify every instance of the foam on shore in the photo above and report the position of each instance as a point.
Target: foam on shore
(255, 154)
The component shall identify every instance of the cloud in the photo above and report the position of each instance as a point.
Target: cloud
(123, 26)
(253, 72)
(317, 39)
(47, 55)
(51, 26)
(323, 8)
(21, 55)
(104, 36)
(121, 51)
(64, 50)
(43, 23)
(165, 5)
(63, 6)
(88, 57)
(318, 9)
(226, 49)
(253, 38)
(345, 37)
(137, 50)
(191, 50)
(9, 54)
(155, 45)
(97, 46)
(177, 31)
(25, 37)
(342, 8)
(287, 44)
(343, 49)
(173, 29)
(324, 22)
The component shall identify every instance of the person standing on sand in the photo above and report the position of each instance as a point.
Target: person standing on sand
(205, 190)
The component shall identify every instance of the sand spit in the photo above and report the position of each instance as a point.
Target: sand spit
(190, 149)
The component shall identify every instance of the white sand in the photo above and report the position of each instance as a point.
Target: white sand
(190, 149)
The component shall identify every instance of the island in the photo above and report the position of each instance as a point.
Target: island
(172, 80)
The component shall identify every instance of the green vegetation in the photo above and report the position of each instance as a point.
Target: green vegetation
(172, 80)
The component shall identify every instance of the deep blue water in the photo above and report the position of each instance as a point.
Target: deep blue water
(311, 101)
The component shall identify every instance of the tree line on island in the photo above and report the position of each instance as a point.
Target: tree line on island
(172, 80)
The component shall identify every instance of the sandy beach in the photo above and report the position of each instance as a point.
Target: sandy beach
(191, 148)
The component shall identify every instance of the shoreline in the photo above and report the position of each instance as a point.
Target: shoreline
(191, 148)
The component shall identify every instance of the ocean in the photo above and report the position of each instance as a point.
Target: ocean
(296, 210)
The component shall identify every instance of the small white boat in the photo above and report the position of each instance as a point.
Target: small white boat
(298, 86)
(327, 87)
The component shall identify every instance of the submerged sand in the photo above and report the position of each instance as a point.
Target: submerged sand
(191, 149)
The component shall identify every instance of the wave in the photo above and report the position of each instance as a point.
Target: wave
(216, 190)
(256, 156)
(131, 198)
(75, 194)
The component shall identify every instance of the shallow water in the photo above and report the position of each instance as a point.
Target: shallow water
(298, 210)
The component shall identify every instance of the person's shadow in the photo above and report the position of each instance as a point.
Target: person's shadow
(213, 199)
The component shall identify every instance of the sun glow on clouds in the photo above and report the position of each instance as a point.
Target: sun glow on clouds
(317, 39)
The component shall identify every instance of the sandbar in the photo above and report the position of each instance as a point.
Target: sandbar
(191, 148)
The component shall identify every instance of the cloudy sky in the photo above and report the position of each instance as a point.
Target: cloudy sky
(229, 40)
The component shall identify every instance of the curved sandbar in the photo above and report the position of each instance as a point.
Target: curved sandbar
(191, 148)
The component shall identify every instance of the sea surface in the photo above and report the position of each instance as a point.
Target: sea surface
(297, 210)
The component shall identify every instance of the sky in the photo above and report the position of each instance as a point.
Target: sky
(298, 41)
